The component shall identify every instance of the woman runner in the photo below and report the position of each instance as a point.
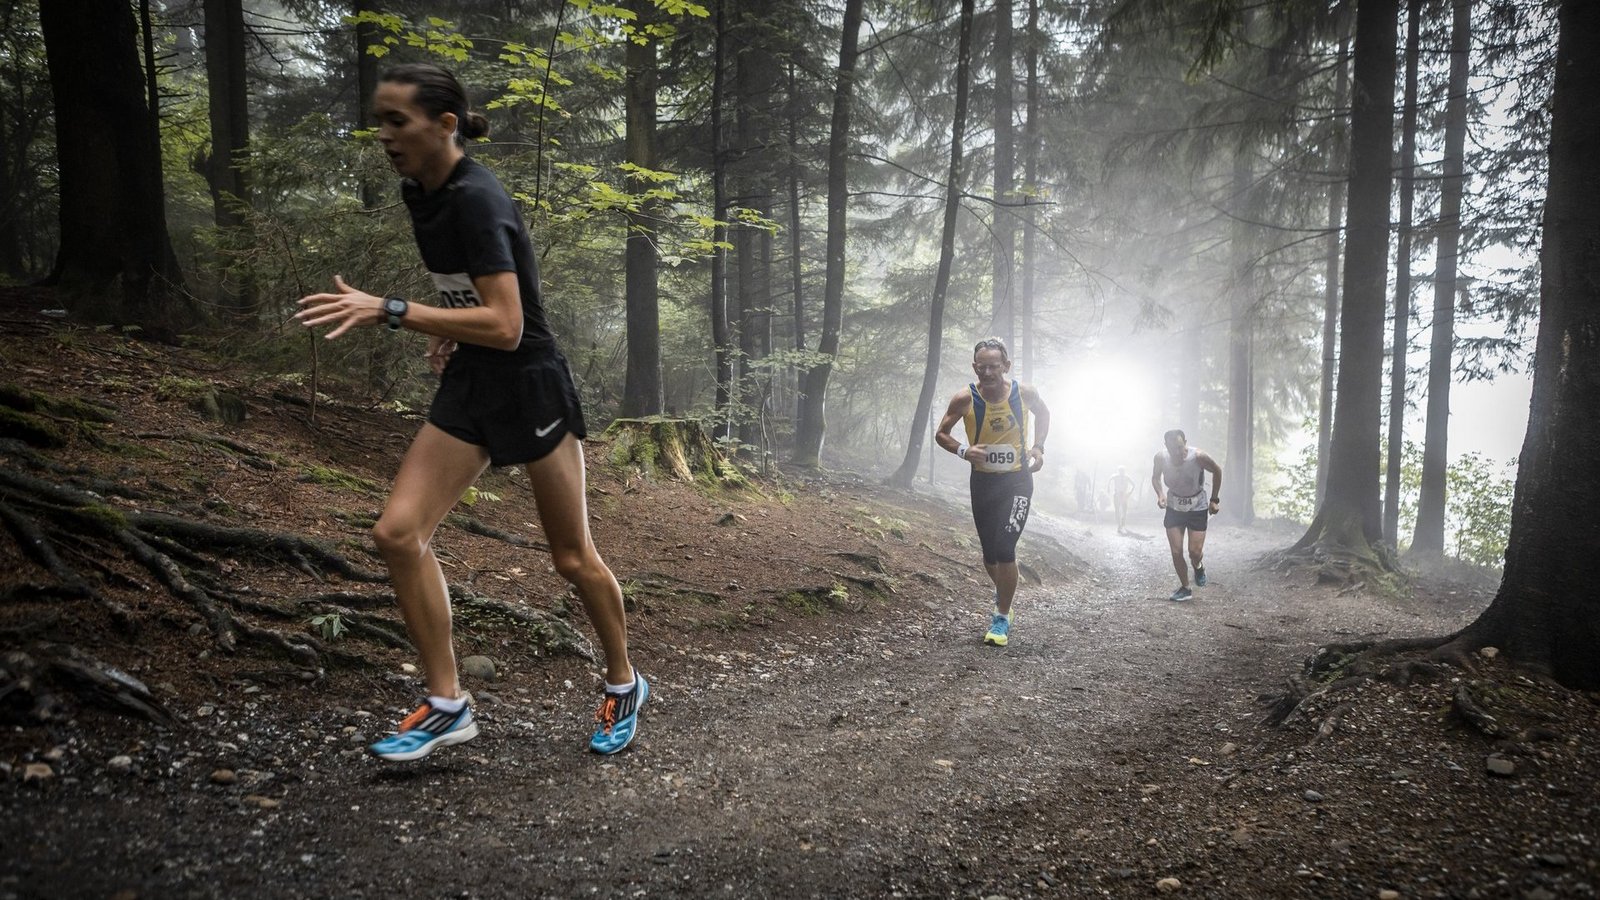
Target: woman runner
(505, 397)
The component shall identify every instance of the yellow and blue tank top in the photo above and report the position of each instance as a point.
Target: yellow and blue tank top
(1003, 427)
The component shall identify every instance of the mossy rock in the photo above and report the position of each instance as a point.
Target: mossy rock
(33, 430)
(173, 387)
(219, 406)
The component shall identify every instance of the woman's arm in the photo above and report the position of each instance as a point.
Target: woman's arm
(497, 323)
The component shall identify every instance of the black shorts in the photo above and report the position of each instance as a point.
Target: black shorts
(518, 409)
(1000, 504)
(1194, 520)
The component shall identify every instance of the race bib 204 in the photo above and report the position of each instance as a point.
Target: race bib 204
(1186, 504)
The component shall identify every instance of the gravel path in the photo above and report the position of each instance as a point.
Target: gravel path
(884, 753)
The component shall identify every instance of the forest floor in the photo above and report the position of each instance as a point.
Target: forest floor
(824, 721)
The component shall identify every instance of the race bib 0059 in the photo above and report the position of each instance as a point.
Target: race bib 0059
(999, 459)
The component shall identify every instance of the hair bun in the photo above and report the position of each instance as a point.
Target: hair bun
(475, 125)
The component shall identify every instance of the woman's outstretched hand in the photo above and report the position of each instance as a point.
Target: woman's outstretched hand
(345, 309)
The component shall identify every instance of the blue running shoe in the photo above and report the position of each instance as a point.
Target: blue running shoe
(619, 718)
(426, 730)
(999, 630)
(1199, 576)
(1182, 594)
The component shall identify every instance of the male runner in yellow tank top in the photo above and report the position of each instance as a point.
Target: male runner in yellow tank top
(996, 411)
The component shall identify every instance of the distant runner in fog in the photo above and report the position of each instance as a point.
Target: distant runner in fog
(1083, 490)
(1121, 492)
(1188, 507)
(996, 411)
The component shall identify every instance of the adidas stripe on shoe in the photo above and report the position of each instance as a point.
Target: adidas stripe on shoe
(618, 718)
(426, 730)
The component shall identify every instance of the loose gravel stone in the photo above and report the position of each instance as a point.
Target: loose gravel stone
(479, 667)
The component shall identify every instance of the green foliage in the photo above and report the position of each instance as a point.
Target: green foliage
(1479, 507)
(878, 526)
(1477, 511)
(474, 494)
(330, 625)
(1295, 498)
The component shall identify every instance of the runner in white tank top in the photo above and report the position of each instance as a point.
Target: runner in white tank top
(1178, 476)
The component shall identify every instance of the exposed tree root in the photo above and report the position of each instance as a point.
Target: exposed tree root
(657, 584)
(1339, 667)
(52, 521)
(1337, 551)
(237, 450)
(551, 634)
(870, 561)
(475, 526)
(31, 682)
(1477, 702)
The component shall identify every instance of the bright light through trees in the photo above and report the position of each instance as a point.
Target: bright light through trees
(1105, 411)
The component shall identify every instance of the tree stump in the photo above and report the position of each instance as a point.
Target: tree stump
(678, 449)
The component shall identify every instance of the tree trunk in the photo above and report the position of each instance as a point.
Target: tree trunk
(813, 423)
(1330, 287)
(1030, 176)
(720, 335)
(1003, 313)
(755, 89)
(641, 391)
(947, 251)
(1402, 282)
(25, 109)
(796, 245)
(229, 100)
(366, 85)
(1348, 518)
(115, 263)
(1429, 538)
(1545, 614)
(1240, 507)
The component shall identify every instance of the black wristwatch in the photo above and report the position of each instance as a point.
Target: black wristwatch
(396, 309)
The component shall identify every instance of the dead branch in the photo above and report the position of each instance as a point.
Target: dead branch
(1329, 724)
(1467, 708)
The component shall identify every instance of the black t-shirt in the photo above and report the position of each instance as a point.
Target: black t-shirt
(470, 227)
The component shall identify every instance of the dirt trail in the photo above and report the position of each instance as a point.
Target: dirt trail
(883, 753)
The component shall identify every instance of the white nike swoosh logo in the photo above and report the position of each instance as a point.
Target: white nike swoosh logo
(541, 432)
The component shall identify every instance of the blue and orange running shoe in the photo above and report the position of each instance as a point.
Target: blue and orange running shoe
(999, 630)
(618, 718)
(426, 730)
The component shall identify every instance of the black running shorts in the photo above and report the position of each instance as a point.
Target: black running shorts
(1000, 504)
(518, 409)
(1194, 520)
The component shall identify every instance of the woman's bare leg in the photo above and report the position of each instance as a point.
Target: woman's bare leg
(558, 487)
(436, 471)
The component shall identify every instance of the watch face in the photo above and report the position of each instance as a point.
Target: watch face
(394, 306)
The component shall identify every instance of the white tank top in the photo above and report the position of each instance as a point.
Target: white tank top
(1185, 480)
